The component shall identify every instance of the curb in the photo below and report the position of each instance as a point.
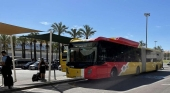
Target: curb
(41, 85)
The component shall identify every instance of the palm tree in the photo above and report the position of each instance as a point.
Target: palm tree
(5, 40)
(142, 43)
(75, 33)
(87, 31)
(55, 48)
(34, 41)
(22, 41)
(59, 29)
(41, 43)
(14, 38)
(30, 40)
(159, 48)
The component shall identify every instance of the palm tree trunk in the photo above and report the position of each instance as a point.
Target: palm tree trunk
(14, 49)
(35, 50)
(4, 47)
(59, 52)
(40, 51)
(31, 49)
(56, 54)
(22, 50)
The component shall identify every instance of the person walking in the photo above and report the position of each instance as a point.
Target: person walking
(6, 70)
(42, 68)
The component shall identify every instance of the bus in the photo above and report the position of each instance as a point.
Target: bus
(63, 56)
(110, 57)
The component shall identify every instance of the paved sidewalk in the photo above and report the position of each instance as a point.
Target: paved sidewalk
(29, 83)
(24, 78)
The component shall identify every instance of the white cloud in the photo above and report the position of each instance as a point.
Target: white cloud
(129, 36)
(77, 27)
(45, 23)
(158, 26)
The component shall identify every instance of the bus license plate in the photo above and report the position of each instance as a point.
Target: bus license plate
(78, 77)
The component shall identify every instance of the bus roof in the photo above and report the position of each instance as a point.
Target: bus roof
(153, 49)
(119, 40)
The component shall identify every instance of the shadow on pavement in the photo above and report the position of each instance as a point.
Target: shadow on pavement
(125, 82)
(143, 79)
(122, 83)
(25, 92)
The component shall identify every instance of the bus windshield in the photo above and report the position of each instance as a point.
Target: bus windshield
(83, 54)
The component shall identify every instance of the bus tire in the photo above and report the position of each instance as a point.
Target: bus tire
(138, 70)
(156, 69)
(113, 73)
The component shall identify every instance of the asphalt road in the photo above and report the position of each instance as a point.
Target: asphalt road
(154, 82)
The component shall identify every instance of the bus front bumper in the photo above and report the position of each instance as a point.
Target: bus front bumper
(74, 73)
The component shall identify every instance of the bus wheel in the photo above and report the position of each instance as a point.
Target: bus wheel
(113, 73)
(138, 70)
(156, 68)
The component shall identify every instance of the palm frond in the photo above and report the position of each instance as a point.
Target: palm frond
(59, 28)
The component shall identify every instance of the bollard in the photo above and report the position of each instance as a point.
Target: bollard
(2, 81)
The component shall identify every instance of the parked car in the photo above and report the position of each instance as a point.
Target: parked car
(34, 66)
(21, 61)
(26, 66)
(54, 66)
(0, 69)
(168, 64)
(59, 67)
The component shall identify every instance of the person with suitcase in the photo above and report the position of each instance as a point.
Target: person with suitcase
(42, 68)
(6, 70)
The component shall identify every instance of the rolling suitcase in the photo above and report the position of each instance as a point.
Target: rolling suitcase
(36, 77)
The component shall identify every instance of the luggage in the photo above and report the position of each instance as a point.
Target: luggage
(36, 77)
(8, 81)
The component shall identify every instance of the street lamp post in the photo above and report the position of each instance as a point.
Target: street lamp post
(155, 44)
(146, 14)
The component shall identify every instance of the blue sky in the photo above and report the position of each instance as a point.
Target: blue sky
(110, 18)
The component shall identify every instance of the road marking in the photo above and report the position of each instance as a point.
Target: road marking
(152, 77)
(32, 89)
(165, 84)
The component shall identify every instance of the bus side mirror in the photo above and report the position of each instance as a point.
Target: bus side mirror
(62, 49)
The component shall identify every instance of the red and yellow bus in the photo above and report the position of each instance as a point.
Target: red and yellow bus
(63, 56)
(109, 57)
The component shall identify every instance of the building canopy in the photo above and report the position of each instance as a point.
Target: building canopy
(55, 38)
(8, 29)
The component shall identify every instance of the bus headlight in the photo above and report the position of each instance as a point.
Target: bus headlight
(89, 71)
